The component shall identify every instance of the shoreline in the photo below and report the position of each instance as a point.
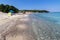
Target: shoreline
(14, 23)
(28, 27)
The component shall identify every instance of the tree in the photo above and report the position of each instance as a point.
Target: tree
(2, 7)
(7, 8)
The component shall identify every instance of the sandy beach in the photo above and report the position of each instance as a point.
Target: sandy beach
(16, 27)
(26, 27)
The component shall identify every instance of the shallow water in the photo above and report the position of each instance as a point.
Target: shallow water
(54, 16)
(46, 26)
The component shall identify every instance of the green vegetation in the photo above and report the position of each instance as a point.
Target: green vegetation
(7, 8)
(39, 11)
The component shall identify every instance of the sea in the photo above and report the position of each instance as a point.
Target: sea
(46, 25)
(52, 16)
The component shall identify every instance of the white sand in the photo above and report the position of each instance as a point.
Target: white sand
(16, 25)
(27, 27)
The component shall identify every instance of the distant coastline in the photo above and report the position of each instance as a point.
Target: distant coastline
(33, 11)
(9, 8)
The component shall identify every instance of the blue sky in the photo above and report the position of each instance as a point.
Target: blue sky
(51, 5)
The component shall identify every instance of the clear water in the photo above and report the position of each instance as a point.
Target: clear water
(46, 25)
(53, 17)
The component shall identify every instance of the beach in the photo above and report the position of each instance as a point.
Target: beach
(27, 27)
(16, 25)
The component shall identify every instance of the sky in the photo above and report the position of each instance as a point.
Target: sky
(51, 5)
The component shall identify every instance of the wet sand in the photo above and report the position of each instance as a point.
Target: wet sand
(27, 27)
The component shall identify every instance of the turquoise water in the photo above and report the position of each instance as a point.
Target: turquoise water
(53, 17)
(46, 25)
